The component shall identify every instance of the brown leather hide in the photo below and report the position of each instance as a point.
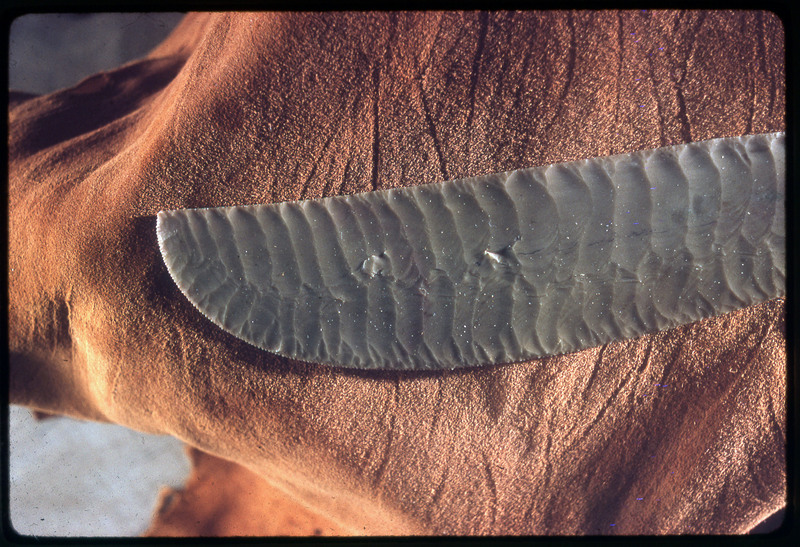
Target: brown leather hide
(680, 431)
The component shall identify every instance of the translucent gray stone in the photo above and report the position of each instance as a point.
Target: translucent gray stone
(497, 268)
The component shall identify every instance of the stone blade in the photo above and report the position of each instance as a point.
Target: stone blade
(497, 268)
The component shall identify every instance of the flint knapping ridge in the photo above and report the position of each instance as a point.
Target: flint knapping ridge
(497, 268)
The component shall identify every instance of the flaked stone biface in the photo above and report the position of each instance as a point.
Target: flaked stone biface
(497, 268)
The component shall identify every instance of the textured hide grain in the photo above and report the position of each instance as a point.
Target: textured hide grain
(681, 431)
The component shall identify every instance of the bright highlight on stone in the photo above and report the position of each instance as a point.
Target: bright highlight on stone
(498, 268)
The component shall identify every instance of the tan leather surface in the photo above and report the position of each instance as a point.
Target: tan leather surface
(677, 432)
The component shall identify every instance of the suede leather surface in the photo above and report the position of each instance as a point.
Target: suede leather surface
(680, 431)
